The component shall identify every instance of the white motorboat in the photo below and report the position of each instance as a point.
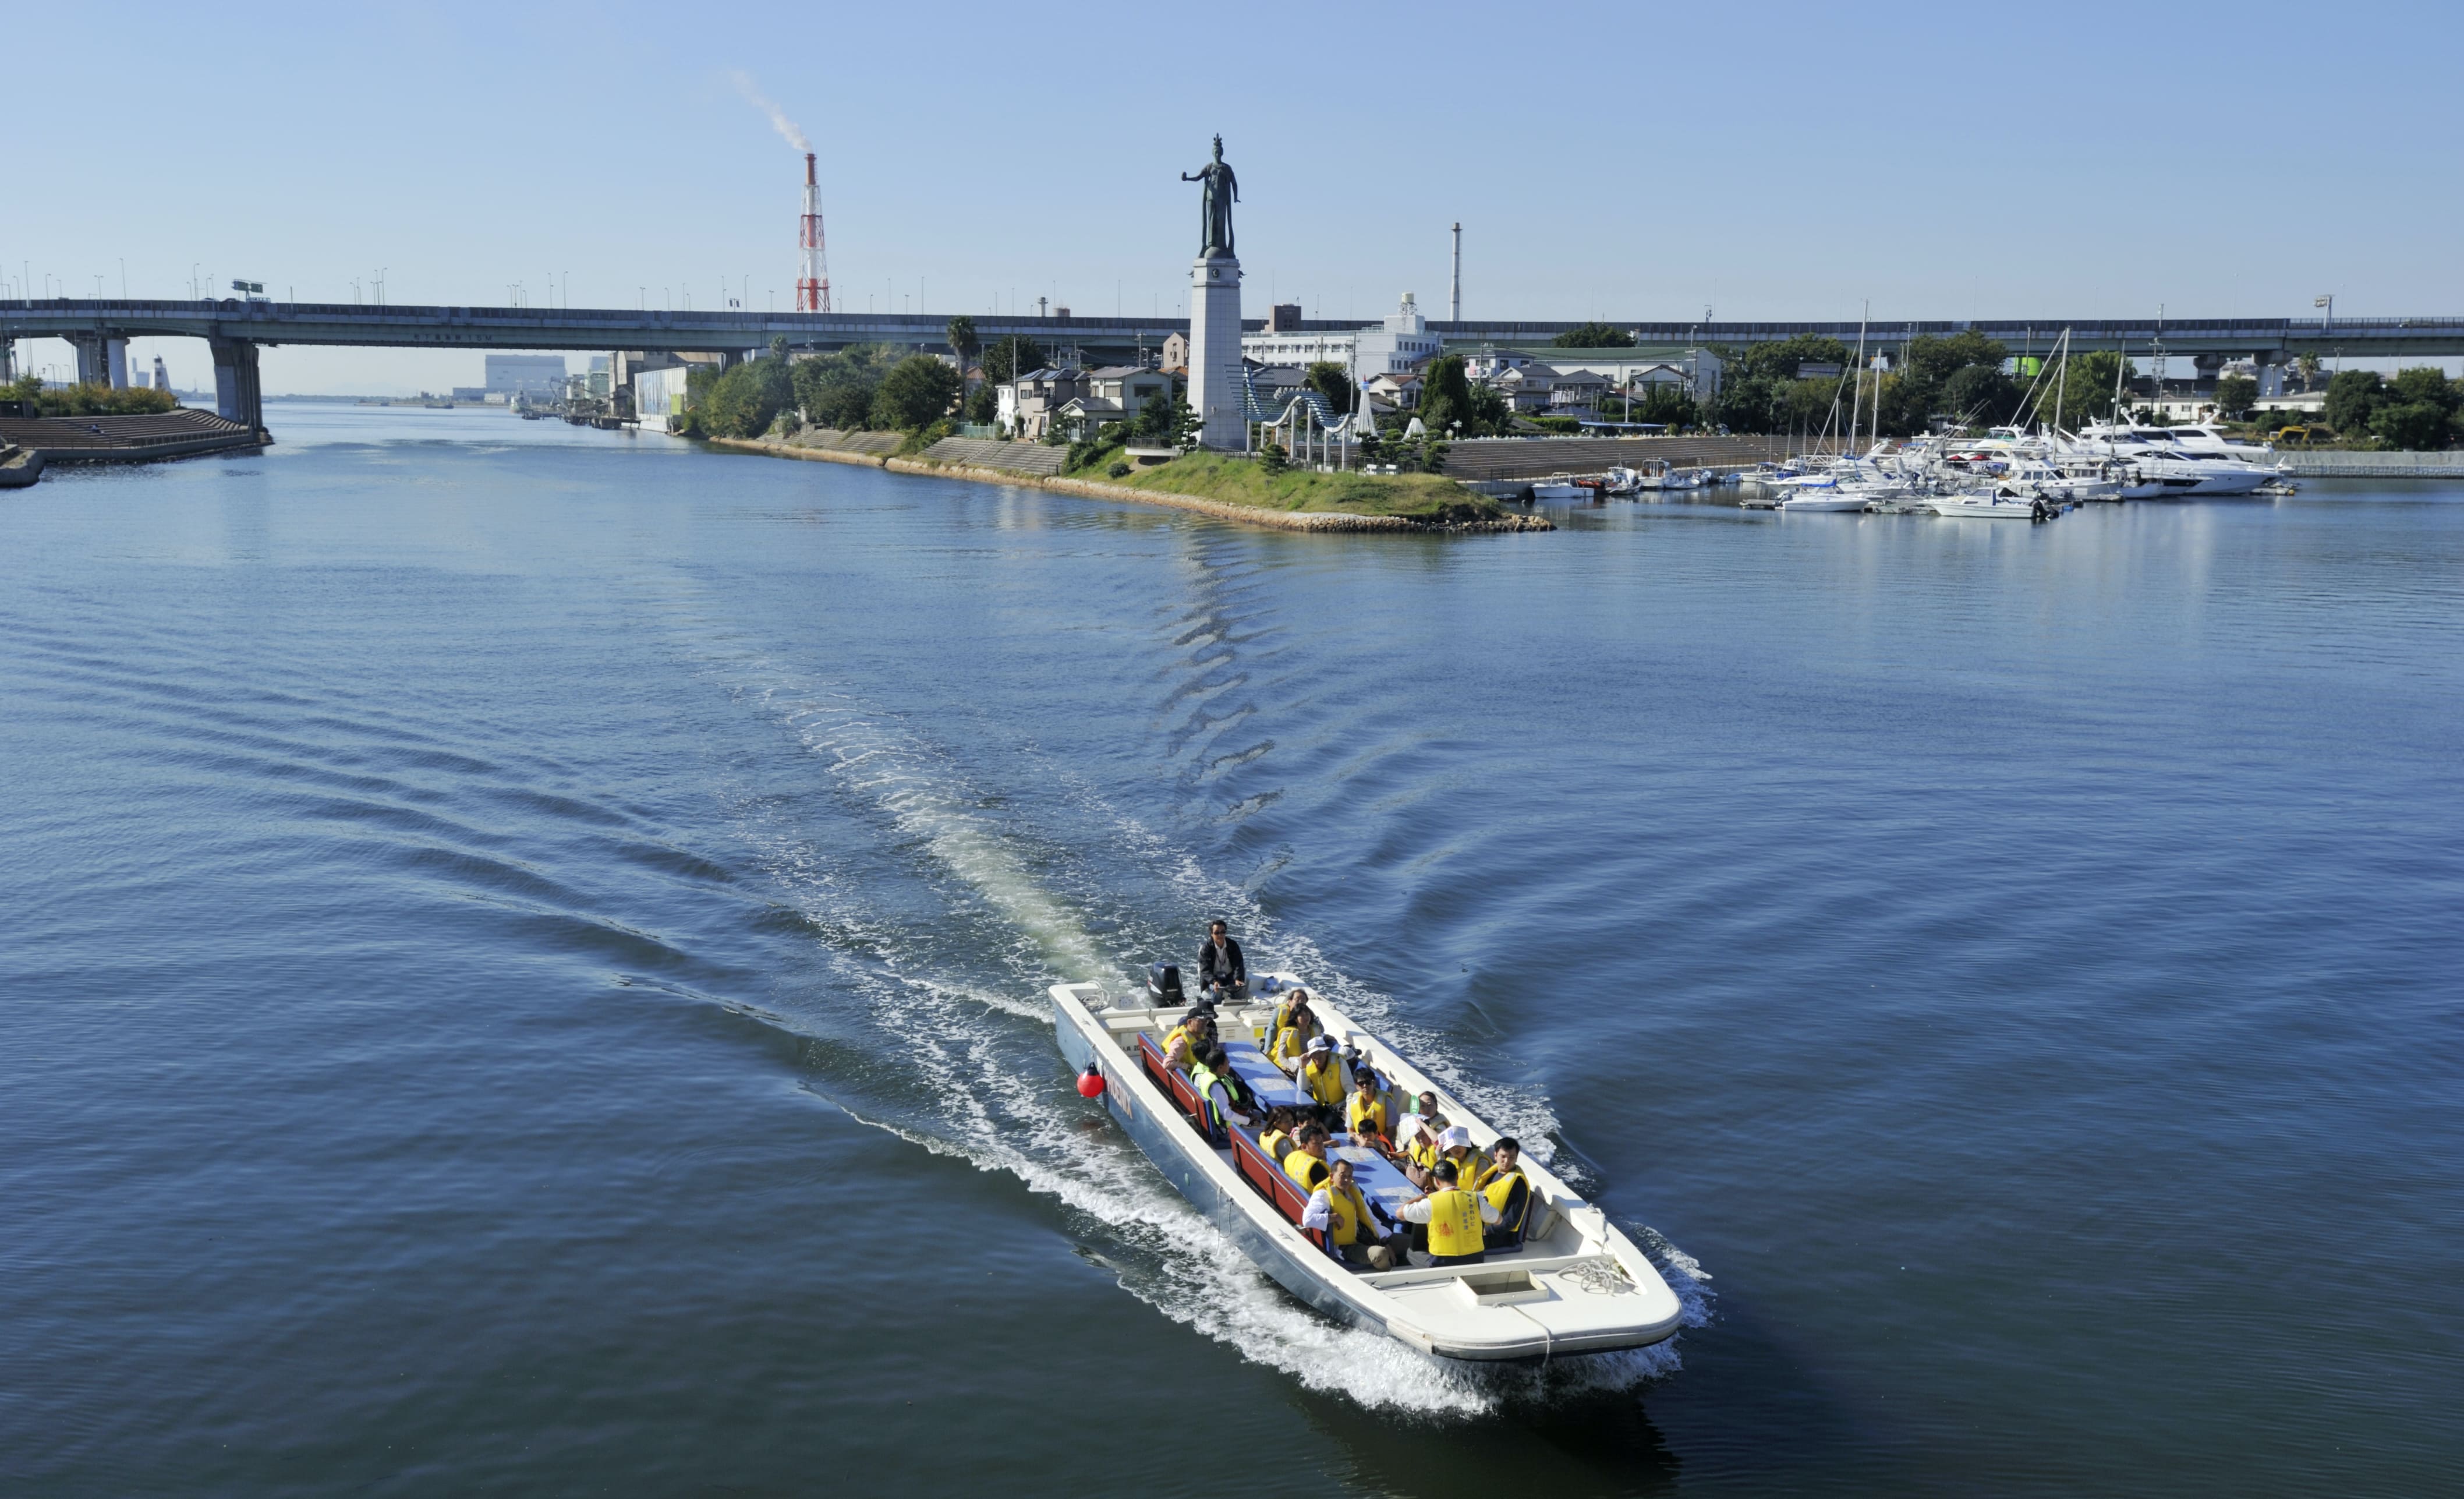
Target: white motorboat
(1998, 505)
(1834, 499)
(1570, 1283)
(1559, 488)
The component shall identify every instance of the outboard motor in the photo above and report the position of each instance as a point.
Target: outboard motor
(1163, 985)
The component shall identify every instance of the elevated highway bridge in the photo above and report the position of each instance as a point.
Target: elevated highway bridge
(235, 330)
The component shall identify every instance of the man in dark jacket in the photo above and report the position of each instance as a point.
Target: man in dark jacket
(1222, 973)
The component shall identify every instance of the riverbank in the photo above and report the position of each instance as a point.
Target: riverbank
(1229, 489)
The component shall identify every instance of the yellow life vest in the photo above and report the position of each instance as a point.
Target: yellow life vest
(1273, 1142)
(1472, 1171)
(1499, 1189)
(1454, 1223)
(1371, 1114)
(1305, 1168)
(1347, 1212)
(1290, 1042)
(1423, 1152)
(1325, 1083)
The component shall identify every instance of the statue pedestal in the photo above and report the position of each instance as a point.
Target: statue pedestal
(1214, 352)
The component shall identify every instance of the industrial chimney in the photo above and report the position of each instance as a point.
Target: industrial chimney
(1454, 300)
(813, 278)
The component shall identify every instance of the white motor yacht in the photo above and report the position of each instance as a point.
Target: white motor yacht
(1567, 1282)
(1995, 505)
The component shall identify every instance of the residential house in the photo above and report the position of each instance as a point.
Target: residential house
(1175, 354)
(1113, 394)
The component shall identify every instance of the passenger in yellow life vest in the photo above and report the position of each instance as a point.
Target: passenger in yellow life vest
(1421, 1150)
(1321, 1074)
(1306, 1164)
(1455, 1219)
(1343, 1211)
(1184, 1040)
(1365, 1115)
(1506, 1190)
(1294, 1026)
(1472, 1167)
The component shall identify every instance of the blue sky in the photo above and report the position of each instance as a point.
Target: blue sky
(1625, 161)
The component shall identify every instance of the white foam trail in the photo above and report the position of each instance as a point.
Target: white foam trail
(759, 100)
(992, 1105)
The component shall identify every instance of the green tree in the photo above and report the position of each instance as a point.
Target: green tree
(1980, 395)
(1010, 356)
(1806, 405)
(918, 392)
(87, 399)
(964, 343)
(2308, 366)
(2417, 426)
(1747, 403)
(1490, 414)
(743, 401)
(1445, 393)
(2235, 395)
(837, 390)
(778, 347)
(2424, 383)
(1938, 359)
(1271, 458)
(1333, 382)
(1668, 406)
(1594, 336)
(2081, 394)
(981, 405)
(1777, 361)
(2353, 397)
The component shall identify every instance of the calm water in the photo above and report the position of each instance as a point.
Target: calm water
(524, 954)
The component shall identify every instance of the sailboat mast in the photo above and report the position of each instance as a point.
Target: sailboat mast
(1858, 404)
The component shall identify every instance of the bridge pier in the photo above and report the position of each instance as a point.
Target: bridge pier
(102, 359)
(237, 396)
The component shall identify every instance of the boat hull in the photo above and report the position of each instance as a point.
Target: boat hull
(1219, 1195)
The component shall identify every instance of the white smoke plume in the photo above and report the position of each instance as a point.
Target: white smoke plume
(779, 120)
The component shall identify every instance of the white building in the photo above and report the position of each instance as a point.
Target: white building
(1398, 345)
(659, 396)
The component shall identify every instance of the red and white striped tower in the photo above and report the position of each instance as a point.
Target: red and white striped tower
(813, 285)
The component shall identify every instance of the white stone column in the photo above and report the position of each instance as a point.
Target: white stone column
(1215, 350)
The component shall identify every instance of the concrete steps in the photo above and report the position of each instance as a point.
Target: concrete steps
(1018, 457)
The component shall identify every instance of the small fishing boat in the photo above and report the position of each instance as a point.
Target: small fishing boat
(1559, 487)
(1567, 1283)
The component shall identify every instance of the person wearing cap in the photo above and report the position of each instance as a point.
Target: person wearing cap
(1343, 1212)
(1223, 973)
(1195, 1033)
(1455, 1220)
(1321, 1074)
(1472, 1167)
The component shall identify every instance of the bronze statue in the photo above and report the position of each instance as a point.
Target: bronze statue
(1219, 190)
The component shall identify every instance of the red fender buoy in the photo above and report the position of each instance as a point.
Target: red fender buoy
(1090, 1083)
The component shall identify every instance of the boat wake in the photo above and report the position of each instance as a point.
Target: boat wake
(945, 910)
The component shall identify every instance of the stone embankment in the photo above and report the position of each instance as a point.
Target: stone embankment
(129, 439)
(2331, 464)
(1008, 463)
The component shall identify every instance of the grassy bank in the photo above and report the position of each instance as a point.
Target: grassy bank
(1245, 482)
